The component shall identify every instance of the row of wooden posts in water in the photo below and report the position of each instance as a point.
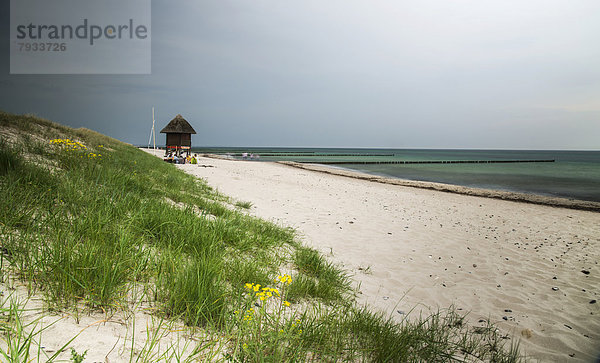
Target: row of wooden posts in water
(315, 155)
(428, 162)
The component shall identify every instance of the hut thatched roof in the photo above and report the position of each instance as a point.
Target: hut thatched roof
(178, 125)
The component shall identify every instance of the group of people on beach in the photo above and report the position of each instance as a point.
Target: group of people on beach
(180, 159)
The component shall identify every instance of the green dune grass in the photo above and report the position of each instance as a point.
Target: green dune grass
(87, 220)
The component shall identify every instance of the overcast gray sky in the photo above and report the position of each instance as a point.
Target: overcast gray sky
(346, 73)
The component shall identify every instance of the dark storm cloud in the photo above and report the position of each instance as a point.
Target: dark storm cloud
(495, 74)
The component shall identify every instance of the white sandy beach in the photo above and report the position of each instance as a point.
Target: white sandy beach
(518, 264)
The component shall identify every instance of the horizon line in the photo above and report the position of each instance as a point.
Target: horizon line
(379, 148)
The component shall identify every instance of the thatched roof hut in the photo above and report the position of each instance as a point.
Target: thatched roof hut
(178, 125)
(179, 134)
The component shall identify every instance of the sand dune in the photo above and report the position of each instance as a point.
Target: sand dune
(532, 269)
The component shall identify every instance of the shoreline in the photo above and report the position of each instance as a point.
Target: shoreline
(558, 202)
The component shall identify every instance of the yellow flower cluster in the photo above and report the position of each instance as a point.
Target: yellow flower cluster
(247, 315)
(68, 144)
(264, 293)
(285, 278)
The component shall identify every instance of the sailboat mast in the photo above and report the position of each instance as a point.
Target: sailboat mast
(153, 131)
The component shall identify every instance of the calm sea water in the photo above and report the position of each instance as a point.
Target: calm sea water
(575, 174)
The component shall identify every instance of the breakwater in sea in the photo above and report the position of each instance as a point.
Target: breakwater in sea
(429, 162)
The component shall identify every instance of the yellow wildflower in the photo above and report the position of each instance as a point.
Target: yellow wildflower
(285, 278)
